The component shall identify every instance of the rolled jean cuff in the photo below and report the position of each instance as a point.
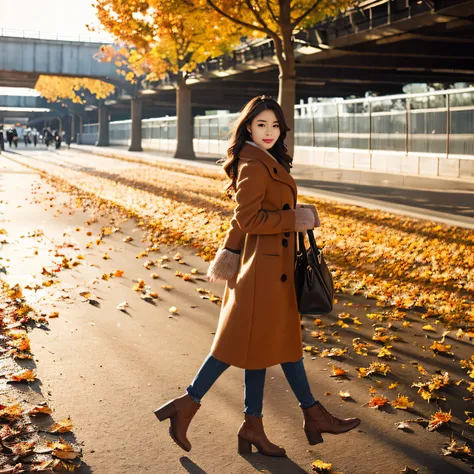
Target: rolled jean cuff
(196, 399)
(259, 415)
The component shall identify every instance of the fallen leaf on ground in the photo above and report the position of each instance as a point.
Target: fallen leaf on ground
(344, 394)
(122, 306)
(438, 419)
(321, 466)
(338, 371)
(63, 450)
(25, 375)
(62, 426)
(402, 402)
(40, 409)
(378, 401)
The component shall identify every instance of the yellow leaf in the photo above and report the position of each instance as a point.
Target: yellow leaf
(40, 409)
(11, 412)
(402, 402)
(321, 466)
(338, 371)
(23, 375)
(62, 426)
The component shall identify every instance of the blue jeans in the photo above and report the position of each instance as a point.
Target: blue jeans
(212, 369)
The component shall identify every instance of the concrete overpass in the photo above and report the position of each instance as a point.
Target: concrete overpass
(23, 60)
(381, 47)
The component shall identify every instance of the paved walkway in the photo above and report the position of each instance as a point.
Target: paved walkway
(109, 369)
(440, 200)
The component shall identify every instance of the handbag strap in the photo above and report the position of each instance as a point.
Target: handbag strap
(301, 246)
(312, 242)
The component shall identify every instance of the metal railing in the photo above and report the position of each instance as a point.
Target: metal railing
(440, 123)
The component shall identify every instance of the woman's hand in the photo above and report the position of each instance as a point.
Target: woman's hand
(317, 222)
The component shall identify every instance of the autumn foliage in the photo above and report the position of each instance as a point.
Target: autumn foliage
(166, 36)
(57, 88)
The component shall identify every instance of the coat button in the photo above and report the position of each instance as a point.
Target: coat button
(287, 234)
(284, 242)
(275, 170)
(286, 206)
(283, 277)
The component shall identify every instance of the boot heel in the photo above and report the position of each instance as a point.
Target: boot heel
(165, 411)
(245, 446)
(314, 437)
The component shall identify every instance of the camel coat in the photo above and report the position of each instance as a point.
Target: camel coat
(259, 324)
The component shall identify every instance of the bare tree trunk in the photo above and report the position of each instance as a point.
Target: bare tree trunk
(103, 138)
(287, 79)
(286, 99)
(136, 135)
(184, 128)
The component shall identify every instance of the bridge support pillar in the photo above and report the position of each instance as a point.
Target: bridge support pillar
(74, 128)
(79, 128)
(103, 138)
(136, 136)
(67, 129)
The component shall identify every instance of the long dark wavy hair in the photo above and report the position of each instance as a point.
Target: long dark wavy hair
(239, 135)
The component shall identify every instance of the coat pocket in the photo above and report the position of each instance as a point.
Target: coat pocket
(268, 246)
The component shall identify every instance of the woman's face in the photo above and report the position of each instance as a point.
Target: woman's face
(265, 129)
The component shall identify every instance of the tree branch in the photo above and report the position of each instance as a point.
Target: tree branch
(256, 14)
(239, 22)
(279, 52)
(305, 14)
(275, 19)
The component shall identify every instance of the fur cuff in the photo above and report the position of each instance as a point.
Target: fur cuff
(304, 219)
(224, 266)
(317, 221)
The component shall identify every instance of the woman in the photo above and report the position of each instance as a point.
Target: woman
(257, 262)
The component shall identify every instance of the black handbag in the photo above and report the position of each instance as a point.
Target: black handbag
(313, 280)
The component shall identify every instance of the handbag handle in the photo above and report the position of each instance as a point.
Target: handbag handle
(312, 242)
(301, 249)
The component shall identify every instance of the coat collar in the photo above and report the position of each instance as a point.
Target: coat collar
(253, 151)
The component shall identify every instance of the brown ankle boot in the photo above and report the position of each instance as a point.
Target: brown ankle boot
(251, 432)
(180, 411)
(318, 420)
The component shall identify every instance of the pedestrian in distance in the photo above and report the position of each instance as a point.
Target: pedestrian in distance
(57, 139)
(2, 139)
(257, 261)
(47, 136)
(9, 137)
(15, 137)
